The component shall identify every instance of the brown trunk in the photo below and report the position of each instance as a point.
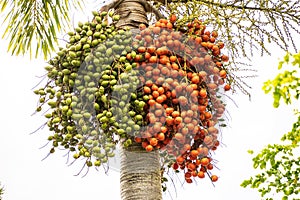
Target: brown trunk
(140, 174)
(140, 170)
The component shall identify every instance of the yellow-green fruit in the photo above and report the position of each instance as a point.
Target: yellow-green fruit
(76, 155)
(89, 163)
(56, 120)
(97, 163)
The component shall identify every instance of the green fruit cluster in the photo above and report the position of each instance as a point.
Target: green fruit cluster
(87, 91)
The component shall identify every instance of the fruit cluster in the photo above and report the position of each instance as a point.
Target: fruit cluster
(180, 74)
(158, 89)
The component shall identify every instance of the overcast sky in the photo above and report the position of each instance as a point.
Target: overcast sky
(253, 124)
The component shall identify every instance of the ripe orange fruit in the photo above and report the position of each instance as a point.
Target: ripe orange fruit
(191, 166)
(141, 49)
(147, 90)
(151, 49)
(205, 161)
(175, 166)
(225, 58)
(203, 93)
(194, 153)
(178, 136)
(178, 120)
(175, 114)
(173, 18)
(153, 59)
(149, 148)
(210, 166)
(214, 34)
(214, 178)
(153, 141)
(195, 79)
(144, 144)
(156, 30)
(179, 159)
(138, 139)
(227, 87)
(223, 73)
(201, 174)
(142, 26)
(161, 136)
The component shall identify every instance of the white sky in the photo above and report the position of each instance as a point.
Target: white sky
(253, 124)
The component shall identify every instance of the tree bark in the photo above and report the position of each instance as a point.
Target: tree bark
(132, 13)
(140, 176)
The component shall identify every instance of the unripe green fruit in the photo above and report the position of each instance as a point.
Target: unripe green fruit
(139, 117)
(96, 106)
(104, 83)
(65, 108)
(84, 129)
(131, 113)
(50, 138)
(95, 13)
(55, 144)
(70, 128)
(121, 131)
(102, 37)
(68, 136)
(86, 46)
(56, 120)
(116, 18)
(48, 115)
(68, 101)
(89, 163)
(95, 42)
(128, 130)
(72, 54)
(113, 82)
(136, 127)
(42, 100)
(77, 116)
(79, 136)
(94, 132)
(104, 126)
(109, 52)
(97, 163)
(89, 142)
(87, 115)
(52, 104)
(104, 119)
(141, 104)
(76, 155)
(109, 114)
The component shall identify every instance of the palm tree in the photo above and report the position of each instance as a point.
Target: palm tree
(245, 26)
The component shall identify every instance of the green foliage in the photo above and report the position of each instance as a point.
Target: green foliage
(33, 26)
(278, 163)
(245, 25)
(286, 85)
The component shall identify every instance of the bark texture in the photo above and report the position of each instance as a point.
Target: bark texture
(132, 13)
(140, 174)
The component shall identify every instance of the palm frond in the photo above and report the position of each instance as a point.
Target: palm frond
(37, 22)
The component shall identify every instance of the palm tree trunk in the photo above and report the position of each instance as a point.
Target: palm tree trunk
(140, 170)
(140, 174)
(132, 14)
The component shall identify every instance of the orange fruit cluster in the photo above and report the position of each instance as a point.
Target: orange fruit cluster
(181, 75)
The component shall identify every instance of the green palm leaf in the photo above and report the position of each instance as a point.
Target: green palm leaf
(36, 20)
